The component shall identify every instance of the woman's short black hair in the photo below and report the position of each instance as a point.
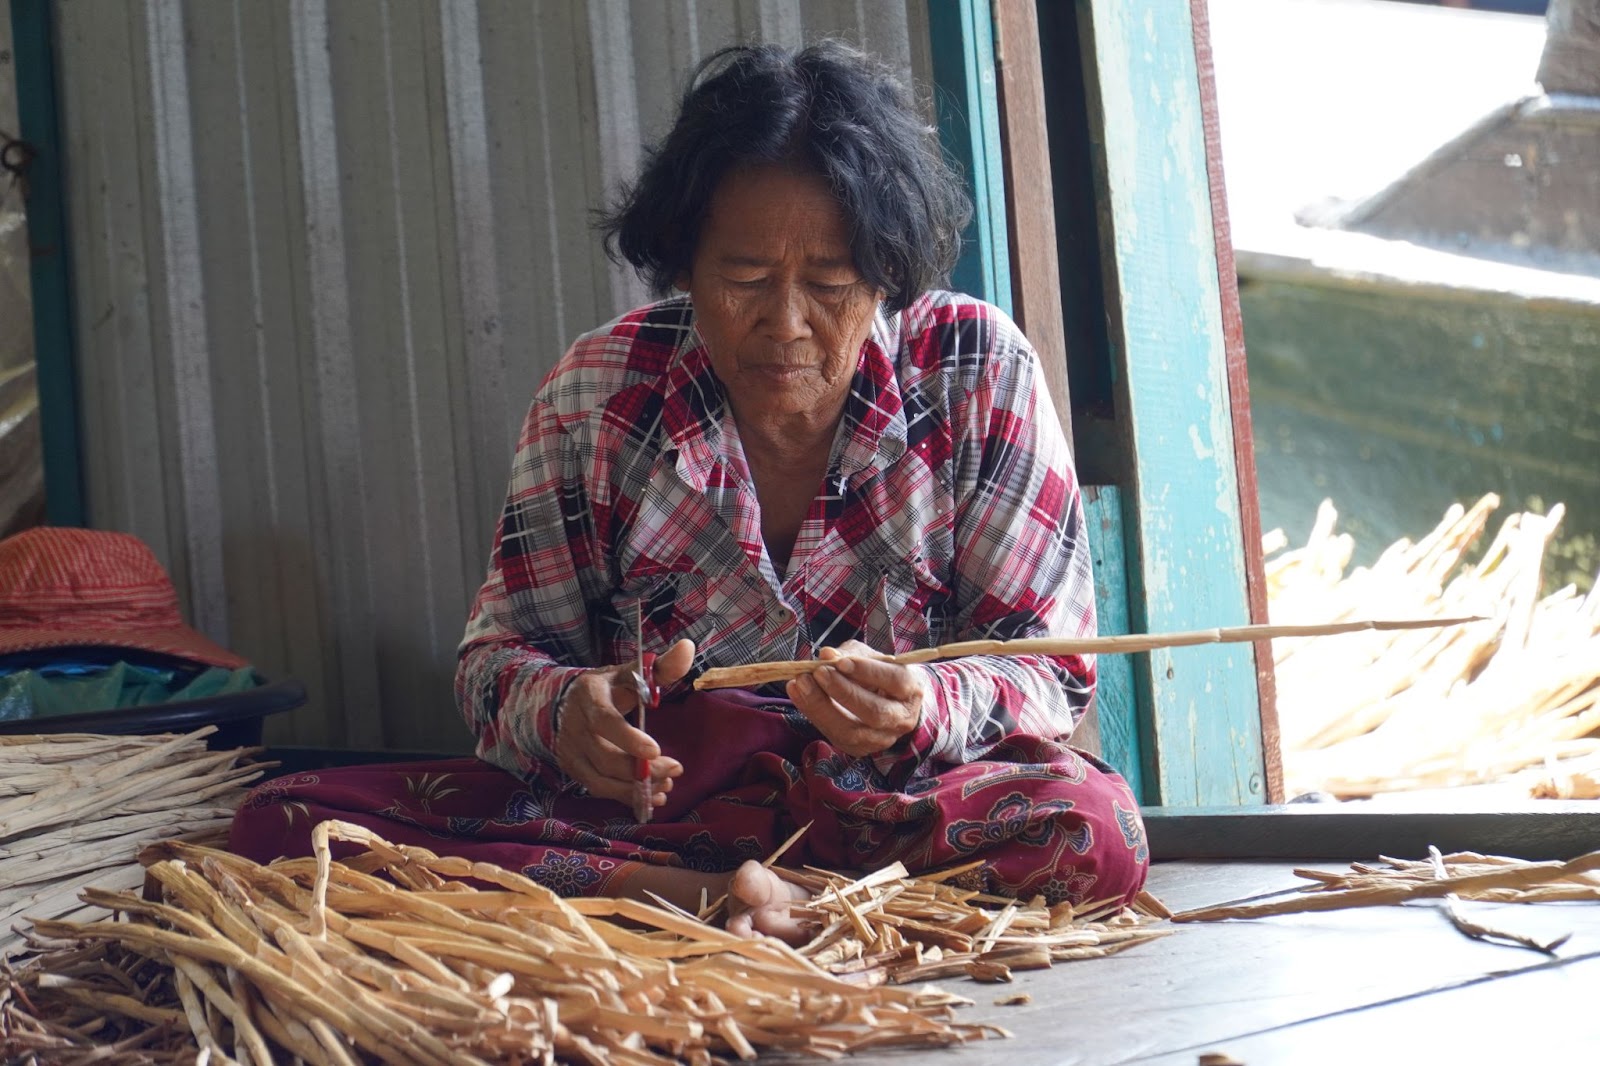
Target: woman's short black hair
(828, 109)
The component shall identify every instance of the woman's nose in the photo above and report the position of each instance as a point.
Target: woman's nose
(785, 319)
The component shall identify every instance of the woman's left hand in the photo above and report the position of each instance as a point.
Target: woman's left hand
(861, 704)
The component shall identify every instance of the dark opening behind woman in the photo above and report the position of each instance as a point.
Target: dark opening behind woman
(805, 450)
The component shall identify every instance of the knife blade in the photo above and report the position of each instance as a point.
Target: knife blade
(648, 694)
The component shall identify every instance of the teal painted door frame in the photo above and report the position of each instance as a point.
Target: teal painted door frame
(33, 41)
(1183, 725)
(1199, 710)
(967, 103)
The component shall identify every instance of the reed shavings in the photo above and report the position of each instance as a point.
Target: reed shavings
(1449, 878)
(397, 955)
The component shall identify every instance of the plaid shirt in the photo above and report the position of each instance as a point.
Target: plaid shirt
(949, 512)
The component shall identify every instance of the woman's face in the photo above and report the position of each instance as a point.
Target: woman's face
(777, 296)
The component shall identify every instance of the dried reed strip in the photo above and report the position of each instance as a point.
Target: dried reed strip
(754, 674)
(1501, 882)
(1388, 869)
(17, 780)
(1449, 903)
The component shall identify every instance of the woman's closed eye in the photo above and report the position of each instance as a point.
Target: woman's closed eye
(834, 290)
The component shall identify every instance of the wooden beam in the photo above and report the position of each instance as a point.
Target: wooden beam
(1030, 198)
(1244, 452)
(1535, 829)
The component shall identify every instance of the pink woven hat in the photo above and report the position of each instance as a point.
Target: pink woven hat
(62, 588)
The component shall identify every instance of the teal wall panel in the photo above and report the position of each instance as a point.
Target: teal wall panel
(1116, 699)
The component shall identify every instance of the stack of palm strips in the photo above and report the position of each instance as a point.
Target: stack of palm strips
(1516, 696)
(327, 962)
(75, 809)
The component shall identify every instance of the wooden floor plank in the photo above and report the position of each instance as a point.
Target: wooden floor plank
(1538, 1014)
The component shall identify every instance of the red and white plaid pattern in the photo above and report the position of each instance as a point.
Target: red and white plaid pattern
(950, 512)
(62, 587)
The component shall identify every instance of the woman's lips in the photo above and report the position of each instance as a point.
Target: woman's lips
(778, 371)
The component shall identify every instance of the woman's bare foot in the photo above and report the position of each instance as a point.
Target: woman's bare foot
(758, 902)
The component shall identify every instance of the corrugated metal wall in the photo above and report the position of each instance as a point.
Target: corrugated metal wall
(323, 253)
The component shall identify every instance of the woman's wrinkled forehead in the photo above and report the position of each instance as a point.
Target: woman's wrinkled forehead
(760, 215)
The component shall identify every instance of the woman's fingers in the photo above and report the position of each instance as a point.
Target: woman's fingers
(843, 728)
(614, 728)
(599, 749)
(889, 679)
(860, 718)
(673, 663)
(606, 772)
(665, 768)
(596, 781)
(892, 715)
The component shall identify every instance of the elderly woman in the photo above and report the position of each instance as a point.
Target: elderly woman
(804, 450)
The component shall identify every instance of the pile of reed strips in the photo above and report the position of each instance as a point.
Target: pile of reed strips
(76, 808)
(920, 929)
(442, 960)
(1512, 698)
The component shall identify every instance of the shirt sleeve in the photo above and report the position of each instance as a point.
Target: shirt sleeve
(529, 627)
(1022, 569)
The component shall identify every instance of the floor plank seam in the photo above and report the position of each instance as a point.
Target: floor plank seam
(1468, 982)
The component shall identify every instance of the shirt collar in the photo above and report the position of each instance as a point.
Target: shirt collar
(693, 409)
(872, 433)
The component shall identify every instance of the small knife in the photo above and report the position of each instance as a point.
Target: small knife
(648, 694)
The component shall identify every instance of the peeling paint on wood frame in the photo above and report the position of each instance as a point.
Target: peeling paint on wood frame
(1200, 722)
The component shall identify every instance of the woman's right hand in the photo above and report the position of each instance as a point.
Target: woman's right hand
(598, 748)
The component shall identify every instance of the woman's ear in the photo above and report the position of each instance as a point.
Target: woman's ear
(681, 282)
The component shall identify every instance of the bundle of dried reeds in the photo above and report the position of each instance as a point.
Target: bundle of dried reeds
(1466, 704)
(445, 961)
(76, 808)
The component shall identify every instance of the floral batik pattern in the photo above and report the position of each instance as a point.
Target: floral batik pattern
(1038, 817)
